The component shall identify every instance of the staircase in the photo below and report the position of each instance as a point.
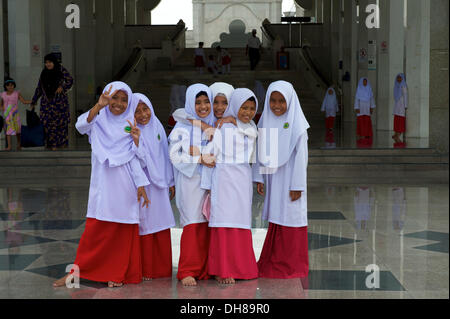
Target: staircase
(403, 166)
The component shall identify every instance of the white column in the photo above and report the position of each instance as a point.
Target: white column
(2, 58)
(350, 59)
(390, 60)
(131, 12)
(143, 13)
(198, 20)
(26, 31)
(418, 68)
(335, 39)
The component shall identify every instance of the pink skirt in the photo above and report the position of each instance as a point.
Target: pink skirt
(285, 253)
(231, 254)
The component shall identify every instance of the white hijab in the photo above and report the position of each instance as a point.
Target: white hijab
(364, 93)
(221, 88)
(154, 141)
(329, 100)
(290, 125)
(108, 138)
(399, 86)
(238, 98)
(190, 112)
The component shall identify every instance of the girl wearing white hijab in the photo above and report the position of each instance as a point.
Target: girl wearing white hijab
(364, 106)
(221, 94)
(330, 107)
(189, 196)
(109, 249)
(401, 104)
(231, 254)
(156, 220)
(285, 250)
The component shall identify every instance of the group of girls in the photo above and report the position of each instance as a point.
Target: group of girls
(364, 106)
(136, 170)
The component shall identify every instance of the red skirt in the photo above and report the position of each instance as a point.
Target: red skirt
(226, 60)
(399, 124)
(285, 253)
(329, 122)
(231, 254)
(110, 252)
(364, 126)
(199, 63)
(156, 250)
(194, 248)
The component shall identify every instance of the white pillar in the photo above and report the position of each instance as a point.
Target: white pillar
(390, 60)
(144, 16)
(350, 59)
(418, 68)
(26, 31)
(131, 12)
(2, 58)
(198, 20)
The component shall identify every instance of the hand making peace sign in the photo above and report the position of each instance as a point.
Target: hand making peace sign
(105, 98)
(135, 132)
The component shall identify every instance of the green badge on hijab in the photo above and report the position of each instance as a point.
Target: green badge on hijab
(286, 125)
(159, 137)
(127, 129)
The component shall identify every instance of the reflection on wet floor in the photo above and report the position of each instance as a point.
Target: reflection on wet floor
(402, 230)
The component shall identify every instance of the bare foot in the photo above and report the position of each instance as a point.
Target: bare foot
(229, 281)
(146, 278)
(114, 284)
(61, 282)
(189, 281)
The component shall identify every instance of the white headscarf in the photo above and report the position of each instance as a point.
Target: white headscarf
(154, 141)
(329, 100)
(399, 86)
(190, 112)
(238, 98)
(290, 125)
(364, 93)
(108, 137)
(221, 88)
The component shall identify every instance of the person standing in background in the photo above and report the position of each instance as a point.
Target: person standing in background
(253, 50)
(401, 104)
(52, 88)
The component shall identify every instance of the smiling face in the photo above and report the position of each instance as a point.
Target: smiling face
(143, 114)
(247, 111)
(119, 103)
(278, 104)
(202, 106)
(220, 106)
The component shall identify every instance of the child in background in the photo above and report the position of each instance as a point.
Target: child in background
(330, 107)
(212, 66)
(231, 255)
(401, 104)
(155, 221)
(364, 106)
(200, 58)
(284, 175)
(224, 60)
(10, 108)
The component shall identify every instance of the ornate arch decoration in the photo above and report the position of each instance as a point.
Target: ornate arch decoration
(230, 5)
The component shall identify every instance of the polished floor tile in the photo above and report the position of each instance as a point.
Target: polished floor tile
(402, 230)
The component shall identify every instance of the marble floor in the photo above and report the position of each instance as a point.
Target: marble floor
(402, 231)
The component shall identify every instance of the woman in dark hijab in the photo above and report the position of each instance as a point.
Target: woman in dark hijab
(52, 88)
